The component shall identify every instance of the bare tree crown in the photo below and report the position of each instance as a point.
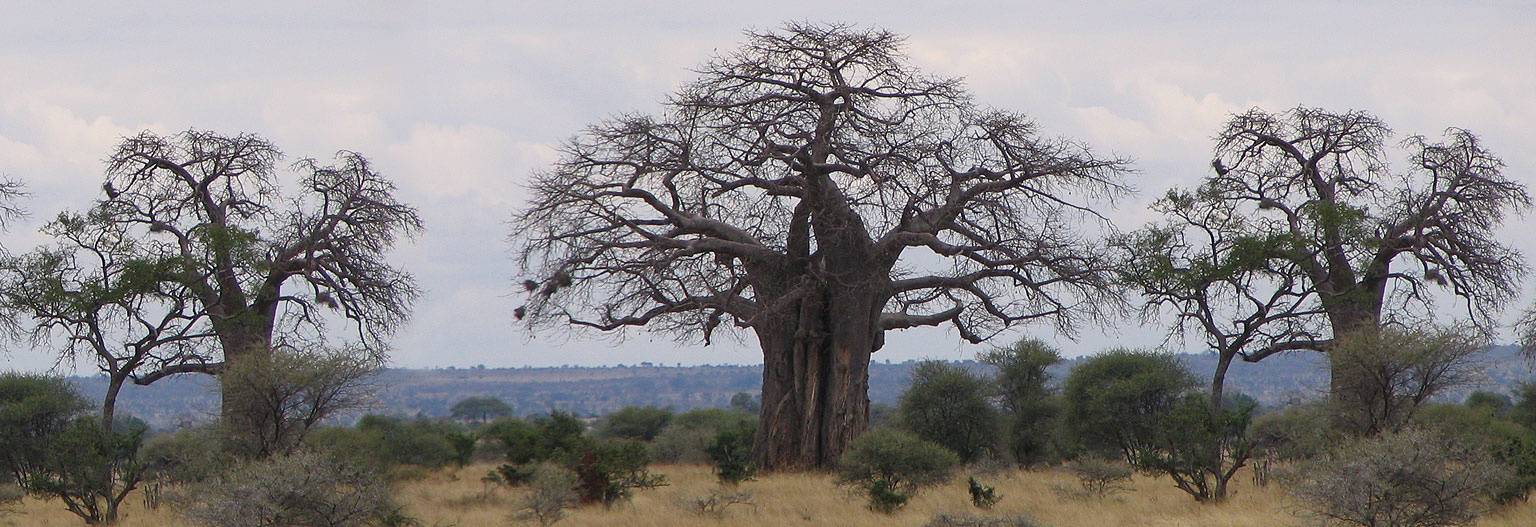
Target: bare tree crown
(814, 156)
(195, 241)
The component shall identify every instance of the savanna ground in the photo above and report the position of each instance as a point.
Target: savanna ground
(459, 498)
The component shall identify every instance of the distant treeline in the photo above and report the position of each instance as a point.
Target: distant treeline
(595, 391)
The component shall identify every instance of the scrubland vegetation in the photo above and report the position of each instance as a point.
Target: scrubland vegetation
(458, 497)
(1296, 244)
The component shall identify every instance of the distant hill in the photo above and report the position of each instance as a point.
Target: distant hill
(1278, 380)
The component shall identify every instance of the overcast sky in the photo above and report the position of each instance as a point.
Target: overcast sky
(460, 104)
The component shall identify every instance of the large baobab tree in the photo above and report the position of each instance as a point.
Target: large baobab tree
(201, 259)
(1304, 233)
(814, 189)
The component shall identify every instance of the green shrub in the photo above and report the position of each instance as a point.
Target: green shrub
(1113, 401)
(1029, 405)
(608, 471)
(982, 496)
(731, 455)
(948, 405)
(634, 422)
(891, 465)
(690, 434)
(1295, 433)
(53, 449)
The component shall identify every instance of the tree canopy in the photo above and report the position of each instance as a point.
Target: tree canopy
(1305, 232)
(814, 188)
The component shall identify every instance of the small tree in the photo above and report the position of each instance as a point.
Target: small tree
(55, 450)
(463, 445)
(1199, 446)
(284, 394)
(1393, 372)
(891, 465)
(1099, 477)
(1114, 401)
(948, 405)
(480, 409)
(1405, 479)
(551, 491)
(1523, 411)
(745, 402)
(1141, 406)
(1496, 404)
(1029, 404)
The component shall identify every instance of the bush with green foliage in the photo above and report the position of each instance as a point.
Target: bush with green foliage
(1412, 478)
(690, 434)
(1030, 407)
(1114, 401)
(1496, 404)
(421, 441)
(463, 445)
(1523, 411)
(730, 453)
(891, 465)
(948, 405)
(185, 456)
(1142, 407)
(608, 471)
(53, 449)
(297, 489)
(1505, 442)
(1295, 433)
(634, 422)
(746, 403)
(1198, 446)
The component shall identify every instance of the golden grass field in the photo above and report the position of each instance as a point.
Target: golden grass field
(458, 498)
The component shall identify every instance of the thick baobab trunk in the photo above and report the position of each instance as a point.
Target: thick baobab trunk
(241, 340)
(816, 380)
(1347, 319)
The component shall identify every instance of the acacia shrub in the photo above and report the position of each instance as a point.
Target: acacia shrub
(301, 488)
(892, 465)
(1412, 478)
(948, 405)
(1030, 406)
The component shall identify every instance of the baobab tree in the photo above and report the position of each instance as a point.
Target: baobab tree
(814, 189)
(205, 250)
(1305, 233)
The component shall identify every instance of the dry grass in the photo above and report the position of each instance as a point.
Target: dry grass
(458, 498)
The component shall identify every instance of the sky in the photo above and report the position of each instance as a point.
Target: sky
(459, 102)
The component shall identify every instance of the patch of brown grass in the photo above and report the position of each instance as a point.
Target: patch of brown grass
(459, 498)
